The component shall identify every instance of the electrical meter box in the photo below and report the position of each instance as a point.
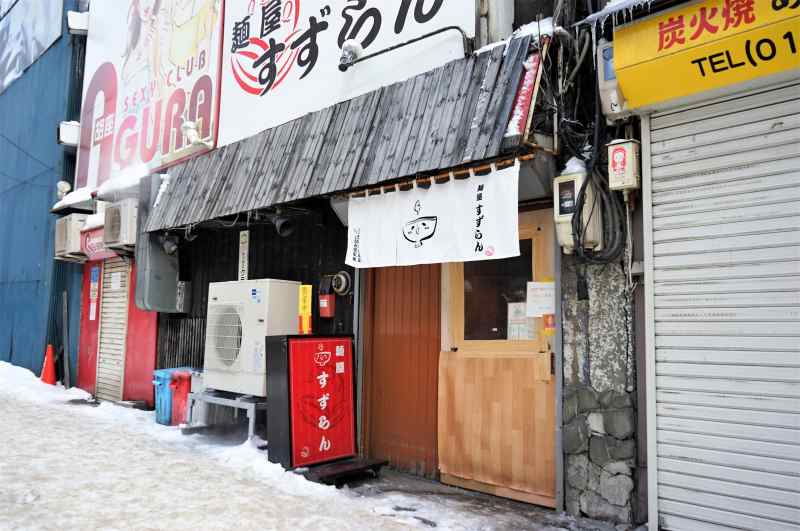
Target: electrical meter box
(611, 98)
(623, 165)
(565, 199)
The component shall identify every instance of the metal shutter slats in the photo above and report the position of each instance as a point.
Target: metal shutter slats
(725, 270)
(113, 329)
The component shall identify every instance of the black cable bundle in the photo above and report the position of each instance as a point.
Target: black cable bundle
(605, 202)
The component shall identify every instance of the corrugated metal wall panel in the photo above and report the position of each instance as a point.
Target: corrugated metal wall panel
(726, 273)
(113, 329)
(31, 163)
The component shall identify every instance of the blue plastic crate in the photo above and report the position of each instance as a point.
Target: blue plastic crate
(161, 380)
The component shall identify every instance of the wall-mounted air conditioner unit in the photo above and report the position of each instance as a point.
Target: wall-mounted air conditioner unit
(68, 237)
(120, 224)
(240, 316)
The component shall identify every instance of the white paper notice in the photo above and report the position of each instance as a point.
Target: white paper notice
(116, 280)
(541, 299)
(520, 326)
(92, 311)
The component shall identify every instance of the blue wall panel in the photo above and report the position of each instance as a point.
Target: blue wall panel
(31, 163)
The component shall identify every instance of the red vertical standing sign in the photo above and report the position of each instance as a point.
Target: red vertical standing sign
(321, 389)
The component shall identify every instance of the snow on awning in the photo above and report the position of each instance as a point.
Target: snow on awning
(80, 199)
(122, 186)
(94, 221)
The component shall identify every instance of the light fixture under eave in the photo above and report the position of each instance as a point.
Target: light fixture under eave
(62, 189)
(351, 52)
(169, 243)
(284, 225)
(351, 56)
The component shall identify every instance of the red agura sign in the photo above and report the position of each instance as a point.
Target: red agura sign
(93, 247)
(321, 388)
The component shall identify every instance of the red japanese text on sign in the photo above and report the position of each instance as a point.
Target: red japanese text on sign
(707, 19)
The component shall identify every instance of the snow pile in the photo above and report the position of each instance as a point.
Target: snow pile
(574, 165)
(515, 125)
(23, 384)
(162, 189)
(136, 474)
(535, 29)
(94, 221)
(124, 185)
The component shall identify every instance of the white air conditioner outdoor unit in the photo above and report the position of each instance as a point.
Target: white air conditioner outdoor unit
(68, 236)
(120, 224)
(240, 316)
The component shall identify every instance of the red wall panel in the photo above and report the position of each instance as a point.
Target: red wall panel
(90, 326)
(140, 350)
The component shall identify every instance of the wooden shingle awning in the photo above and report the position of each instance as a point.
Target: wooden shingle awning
(447, 117)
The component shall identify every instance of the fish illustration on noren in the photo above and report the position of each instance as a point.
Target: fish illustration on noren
(420, 229)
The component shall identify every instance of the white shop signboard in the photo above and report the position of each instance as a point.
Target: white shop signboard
(280, 58)
(460, 220)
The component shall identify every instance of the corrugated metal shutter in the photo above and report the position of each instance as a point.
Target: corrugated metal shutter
(724, 259)
(113, 329)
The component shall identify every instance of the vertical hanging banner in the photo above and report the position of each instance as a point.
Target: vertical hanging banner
(150, 86)
(281, 57)
(461, 220)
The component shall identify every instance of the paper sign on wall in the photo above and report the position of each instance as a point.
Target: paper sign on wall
(520, 326)
(461, 220)
(116, 280)
(541, 299)
(305, 295)
(244, 255)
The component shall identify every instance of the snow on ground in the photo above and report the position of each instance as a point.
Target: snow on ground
(67, 466)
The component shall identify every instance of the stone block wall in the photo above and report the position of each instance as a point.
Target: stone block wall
(599, 416)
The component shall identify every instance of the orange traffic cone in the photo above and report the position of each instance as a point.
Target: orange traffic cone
(49, 368)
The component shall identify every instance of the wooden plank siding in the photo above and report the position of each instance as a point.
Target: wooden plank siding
(454, 114)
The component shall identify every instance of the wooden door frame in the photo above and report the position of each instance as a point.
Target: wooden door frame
(367, 342)
(449, 342)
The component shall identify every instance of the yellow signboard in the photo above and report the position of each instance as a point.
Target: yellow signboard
(704, 46)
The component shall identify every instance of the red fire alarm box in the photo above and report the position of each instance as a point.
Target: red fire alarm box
(327, 299)
(320, 425)
(327, 306)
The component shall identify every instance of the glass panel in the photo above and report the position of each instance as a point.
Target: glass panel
(494, 297)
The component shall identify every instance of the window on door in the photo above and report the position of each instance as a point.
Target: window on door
(494, 297)
(486, 300)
